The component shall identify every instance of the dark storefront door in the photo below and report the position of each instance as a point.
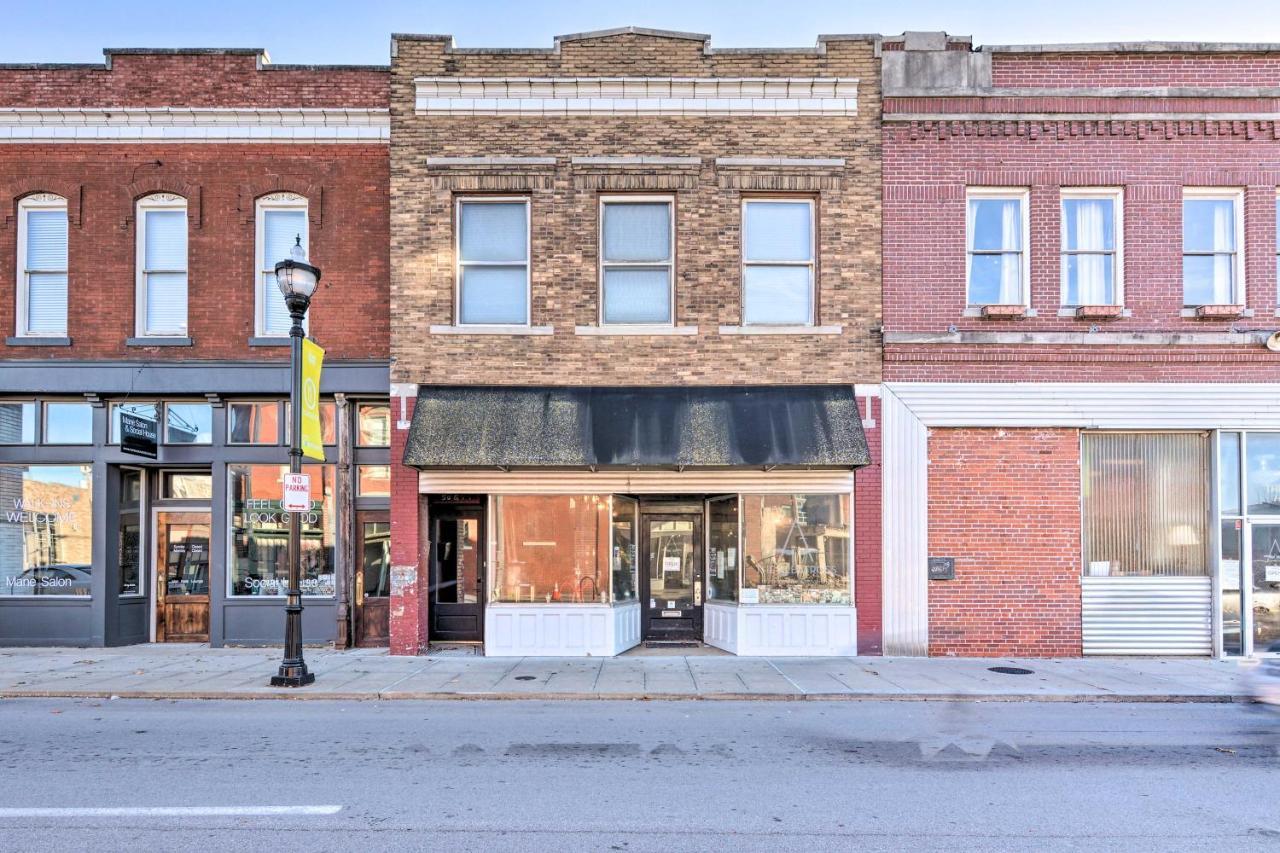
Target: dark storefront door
(672, 576)
(457, 573)
(182, 576)
(373, 578)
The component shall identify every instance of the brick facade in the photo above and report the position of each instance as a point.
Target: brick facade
(345, 186)
(1006, 505)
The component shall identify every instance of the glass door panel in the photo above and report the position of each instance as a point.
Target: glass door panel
(182, 575)
(673, 550)
(373, 579)
(458, 561)
(1231, 573)
(1265, 606)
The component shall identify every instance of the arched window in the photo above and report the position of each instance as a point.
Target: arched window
(42, 266)
(162, 266)
(281, 222)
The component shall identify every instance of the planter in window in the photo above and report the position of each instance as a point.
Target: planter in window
(1004, 312)
(1219, 312)
(1099, 312)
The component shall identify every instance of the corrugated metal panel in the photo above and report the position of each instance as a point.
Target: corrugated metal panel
(1115, 405)
(1147, 616)
(905, 528)
(633, 482)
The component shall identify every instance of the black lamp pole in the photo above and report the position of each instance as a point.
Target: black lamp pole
(293, 669)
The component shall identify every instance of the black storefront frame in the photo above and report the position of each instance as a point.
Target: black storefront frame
(109, 619)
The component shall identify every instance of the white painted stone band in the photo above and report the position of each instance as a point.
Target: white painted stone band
(181, 124)
(169, 811)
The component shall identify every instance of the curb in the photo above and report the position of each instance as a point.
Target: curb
(393, 696)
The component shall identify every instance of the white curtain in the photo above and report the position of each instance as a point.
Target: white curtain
(1011, 261)
(1091, 236)
(1223, 241)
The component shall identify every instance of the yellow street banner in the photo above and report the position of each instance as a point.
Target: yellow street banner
(312, 436)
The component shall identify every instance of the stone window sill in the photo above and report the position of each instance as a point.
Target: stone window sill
(1217, 312)
(628, 329)
(491, 330)
(781, 330)
(158, 342)
(36, 341)
(268, 342)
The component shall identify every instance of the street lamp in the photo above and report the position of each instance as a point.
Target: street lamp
(297, 281)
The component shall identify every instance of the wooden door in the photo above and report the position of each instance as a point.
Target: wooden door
(182, 576)
(373, 578)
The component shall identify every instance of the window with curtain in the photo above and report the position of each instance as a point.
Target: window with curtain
(1145, 504)
(778, 262)
(997, 269)
(42, 266)
(493, 262)
(636, 261)
(1210, 262)
(282, 223)
(1090, 248)
(162, 265)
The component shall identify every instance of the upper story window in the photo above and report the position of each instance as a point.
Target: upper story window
(162, 265)
(778, 262)
(1212, 263)
(493, 261)
(1092, 226)
(42, 266)
(997, 239)
(636, 260)
(281, 223)
(1278, 247)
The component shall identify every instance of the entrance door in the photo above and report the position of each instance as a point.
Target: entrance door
(182, 576)
(673, 578)
(373, 578)
(1265, 598)
(457, 574)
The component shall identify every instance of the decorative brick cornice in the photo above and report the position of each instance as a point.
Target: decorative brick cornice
(32, 184)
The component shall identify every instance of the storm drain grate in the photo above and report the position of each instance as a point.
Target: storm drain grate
(1011, 670)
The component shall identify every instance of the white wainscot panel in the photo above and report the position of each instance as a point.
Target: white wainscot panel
(549, 630)
(720, 626)
(796, 630)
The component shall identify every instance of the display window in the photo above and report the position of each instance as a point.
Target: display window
(555, 549)
(46, 530)
(796, 549)
(258, 560)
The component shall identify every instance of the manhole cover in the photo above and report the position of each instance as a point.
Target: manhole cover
(1011, 670)
(524, 678)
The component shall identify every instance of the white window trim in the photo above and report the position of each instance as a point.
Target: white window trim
(39, 201)
(272, 202)
(1236, 196)
(1116, 195)
(156, 201)
(1023, 195)
(458, 264)
(812, 263)
(670, 263)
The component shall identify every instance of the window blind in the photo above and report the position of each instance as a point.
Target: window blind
(280, 230)
(46, 271)
(165, 268)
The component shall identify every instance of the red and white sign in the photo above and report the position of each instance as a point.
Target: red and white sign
(297, 493)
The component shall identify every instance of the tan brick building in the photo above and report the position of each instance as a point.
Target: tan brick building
(635, 209)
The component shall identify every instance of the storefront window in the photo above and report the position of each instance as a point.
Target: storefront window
(373, 481)
(722, 549)
(186, 486)
(328, 422)
(623, 560)
(46, 530)
(188, 423)
(796, 549)
(68, 423)
(260, 532)
(374, 425)
(1262, 473)
(253, 423)
(1146, 504)
(552, 549)
(17, 422)
(149, 411)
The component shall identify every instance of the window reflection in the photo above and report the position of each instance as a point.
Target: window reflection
(796, 549)
(46, 530)
(722, 541)
(1262, 473)
(17, 422)
(68, 423)
(552, 549)
(260, 531)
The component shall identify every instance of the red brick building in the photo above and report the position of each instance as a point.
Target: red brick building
(1080, 279)
(144, 203)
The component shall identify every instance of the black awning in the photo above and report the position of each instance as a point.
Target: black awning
(797, 426)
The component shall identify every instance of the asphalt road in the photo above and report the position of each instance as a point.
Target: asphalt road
(635, 776)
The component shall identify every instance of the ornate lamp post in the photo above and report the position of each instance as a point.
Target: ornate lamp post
(297, 281)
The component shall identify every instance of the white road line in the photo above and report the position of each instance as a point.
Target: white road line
(170, 811)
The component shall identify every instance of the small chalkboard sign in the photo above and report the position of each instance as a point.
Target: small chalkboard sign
(942, 568)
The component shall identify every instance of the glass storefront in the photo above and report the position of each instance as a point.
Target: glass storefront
(257, 563)
(553, 549)
(46, 530)
(1249, 563)
(796, 549)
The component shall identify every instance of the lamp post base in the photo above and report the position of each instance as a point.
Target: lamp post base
(293, 676)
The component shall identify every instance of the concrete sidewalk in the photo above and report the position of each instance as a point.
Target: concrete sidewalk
(198, 672)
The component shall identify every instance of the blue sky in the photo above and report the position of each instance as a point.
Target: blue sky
(324, 31)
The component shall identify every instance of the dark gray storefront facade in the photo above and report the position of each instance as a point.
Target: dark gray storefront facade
(89, 533)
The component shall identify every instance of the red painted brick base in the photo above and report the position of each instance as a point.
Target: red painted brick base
(1006, 504)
